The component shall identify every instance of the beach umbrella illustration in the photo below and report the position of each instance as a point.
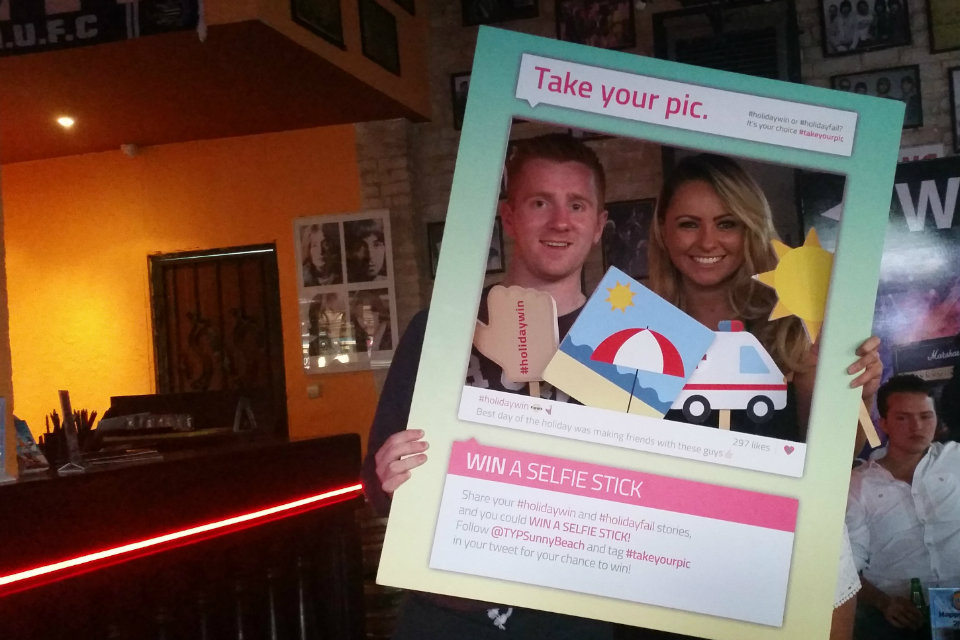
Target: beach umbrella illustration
(640, 349)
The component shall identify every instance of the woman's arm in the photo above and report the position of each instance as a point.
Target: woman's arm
(867, 365)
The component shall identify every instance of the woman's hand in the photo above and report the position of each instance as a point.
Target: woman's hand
(869, 367)
(400, 453)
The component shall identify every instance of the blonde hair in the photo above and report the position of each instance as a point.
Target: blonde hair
(751, 301)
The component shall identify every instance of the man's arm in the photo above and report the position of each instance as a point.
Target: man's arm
(387, 433)
(897, 610)
(855, 518)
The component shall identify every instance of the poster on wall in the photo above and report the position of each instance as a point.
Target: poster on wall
(611, 509)
(348, 309)
(35, 26)
(917, 313)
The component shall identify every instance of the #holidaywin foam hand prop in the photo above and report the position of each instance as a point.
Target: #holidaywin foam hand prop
(521, 334)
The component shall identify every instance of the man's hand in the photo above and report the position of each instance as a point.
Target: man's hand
(901, 613)
(400, 453)
(521, 334)
(869, 367)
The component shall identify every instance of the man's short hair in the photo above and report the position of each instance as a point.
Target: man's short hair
(906, 383)
(557, 147)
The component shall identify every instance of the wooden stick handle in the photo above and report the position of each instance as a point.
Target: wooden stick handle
(866, 424)
(724, 419)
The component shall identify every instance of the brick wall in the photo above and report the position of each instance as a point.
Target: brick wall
(384, 160)
(934, 81)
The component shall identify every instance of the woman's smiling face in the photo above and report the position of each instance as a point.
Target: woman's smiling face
(703, 239)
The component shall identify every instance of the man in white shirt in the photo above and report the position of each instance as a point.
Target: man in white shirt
(903, 513)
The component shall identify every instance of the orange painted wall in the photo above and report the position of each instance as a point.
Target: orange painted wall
(9, 466)
(78, 231)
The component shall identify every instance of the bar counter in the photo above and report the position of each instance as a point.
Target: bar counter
(255, 540)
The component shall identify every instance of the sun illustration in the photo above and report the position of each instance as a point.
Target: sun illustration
(620, 297)
(800, 279)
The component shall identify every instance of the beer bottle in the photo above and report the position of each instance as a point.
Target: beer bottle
(916, 596)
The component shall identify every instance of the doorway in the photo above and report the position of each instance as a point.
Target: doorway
(216, 327)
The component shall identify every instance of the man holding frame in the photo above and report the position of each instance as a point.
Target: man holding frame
(554, 213)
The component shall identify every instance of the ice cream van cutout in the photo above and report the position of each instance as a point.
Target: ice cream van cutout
(736, 373)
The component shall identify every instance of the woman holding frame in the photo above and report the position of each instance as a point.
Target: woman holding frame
(711, 233)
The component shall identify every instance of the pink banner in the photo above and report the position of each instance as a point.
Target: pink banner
(471, 459)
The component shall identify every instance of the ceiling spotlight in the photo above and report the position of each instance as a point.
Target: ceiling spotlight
(65, 121)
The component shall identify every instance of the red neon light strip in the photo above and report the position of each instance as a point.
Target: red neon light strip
(176, 535)
(735, 387)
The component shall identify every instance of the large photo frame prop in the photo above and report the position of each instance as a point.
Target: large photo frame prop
(531, 517)
(347, 300)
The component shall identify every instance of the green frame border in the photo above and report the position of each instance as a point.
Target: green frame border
(491, 107)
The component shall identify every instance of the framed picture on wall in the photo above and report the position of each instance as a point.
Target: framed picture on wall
(407, 5)
(495, 258)
(346, 290)
(763, 33)
(954, 73)
(897, 83)
(625, 236)
(477, 12)
(858, 26)
(459, 88)
(598, 23)
(378, 35)
(321, 17)
(943, 18)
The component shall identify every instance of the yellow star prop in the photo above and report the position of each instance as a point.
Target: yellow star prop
(801, 279)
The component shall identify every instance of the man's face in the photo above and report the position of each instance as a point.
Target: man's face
(554, 217)
(910, 423)
(370, 252)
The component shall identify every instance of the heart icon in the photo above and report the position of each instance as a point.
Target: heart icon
(788, 448)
